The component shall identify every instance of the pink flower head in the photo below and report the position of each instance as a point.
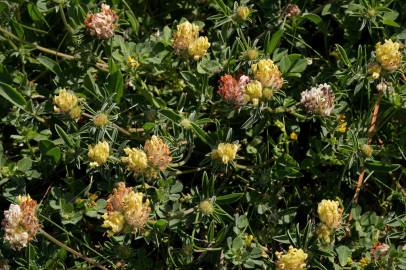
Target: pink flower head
(232, 90)
(102, 23)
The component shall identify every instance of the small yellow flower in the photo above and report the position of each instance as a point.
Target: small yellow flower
(225, 152)
(132, 62)
(294, 259)
(136, 160)
(198, 48)
(248, 238)
(243, 12)
(65, 101)
(342, 127)
(330, 213)
(388, 54)
(186, 33)
(206, 207)
(99, 153)
(375, 71)
(158, 153)
(293, 136)
(268, 74)
(100, 120)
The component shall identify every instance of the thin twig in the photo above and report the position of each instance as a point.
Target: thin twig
(371, 133)
(74, 252)
(100, 64)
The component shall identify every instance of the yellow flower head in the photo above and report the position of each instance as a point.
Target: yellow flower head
(100, 120)
(268, 74)
(136, 160)
(251, 54)
(65, 101)
(158, 153)
(330, 213)
(253, 92)
(198, 48)
(388, 54)
(206, 207)
(225, 152)
(294, 259)
(243, 12)
(367, 150)
(186, 33)
(125, 210)
(99, 153)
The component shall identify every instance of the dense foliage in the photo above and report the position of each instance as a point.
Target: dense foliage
(205, 134)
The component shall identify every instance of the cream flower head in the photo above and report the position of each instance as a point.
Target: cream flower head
(225, 152)
(294, 259)
(388, 54)
(268, 74)
(99, 153)
(330, 213)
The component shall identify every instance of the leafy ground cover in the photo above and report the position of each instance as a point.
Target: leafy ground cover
(206, 134)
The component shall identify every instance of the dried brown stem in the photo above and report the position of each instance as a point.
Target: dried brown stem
(371, 133)
(74, 252)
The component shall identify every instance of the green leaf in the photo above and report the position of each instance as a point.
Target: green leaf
(343, 55)
(35, 14)
(344, 253)
(201, 134)
(50, 64)
(24, 164)
(273, 43)
(229, 198)
(171, 115)
(54, 154)
(116, 84)
(68, 141)
(12, 95)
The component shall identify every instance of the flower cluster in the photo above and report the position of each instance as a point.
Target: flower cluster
(155, 156)
(319, 100)
(20, 222)
(98, 153)
(268, 73)
(388, 55)
(67, 102)
(294, 259)
(330, 215)
(102, 24)
(225, 152)
(243, 13)
(186, 40)
(126, 210)
(232, 90)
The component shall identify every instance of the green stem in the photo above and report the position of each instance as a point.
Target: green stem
(65, 22)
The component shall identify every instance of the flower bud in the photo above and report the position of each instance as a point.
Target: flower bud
(206, 207)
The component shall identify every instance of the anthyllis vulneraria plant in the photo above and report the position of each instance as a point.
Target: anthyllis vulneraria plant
(20, 222)
(127, 211)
